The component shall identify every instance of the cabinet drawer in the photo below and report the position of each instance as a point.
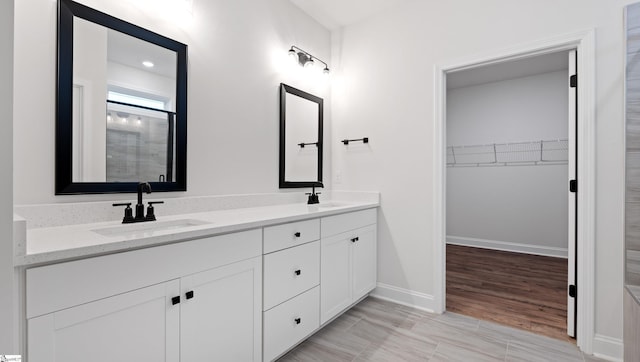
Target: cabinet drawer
(333, 225)
(287, 235)
(290, 272)
(290, 322)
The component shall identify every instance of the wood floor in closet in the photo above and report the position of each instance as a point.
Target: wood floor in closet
(518, 290)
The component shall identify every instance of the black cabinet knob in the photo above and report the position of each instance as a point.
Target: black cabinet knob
(175, 300)
(353, 240)
(298, 272)
(298, 320)
(297, 234)
(189, 294)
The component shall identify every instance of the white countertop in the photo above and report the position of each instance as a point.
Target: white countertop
(61, 243)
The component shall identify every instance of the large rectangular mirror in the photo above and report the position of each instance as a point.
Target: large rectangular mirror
(121, 105)
(301, 116)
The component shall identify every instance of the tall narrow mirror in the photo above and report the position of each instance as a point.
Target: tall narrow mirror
(301, 130)
(121, 112)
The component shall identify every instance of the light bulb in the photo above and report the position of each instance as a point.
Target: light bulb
(325, 70)
(310, 63)
(292, 53)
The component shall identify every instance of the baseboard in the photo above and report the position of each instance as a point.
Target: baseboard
(508, 246)
(608, 348)
(403, 296)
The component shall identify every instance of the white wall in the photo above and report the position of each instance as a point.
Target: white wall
(6, 181)
(525, 205)
(523, 109)
(90, 74)
(237, 59)
(383, 89)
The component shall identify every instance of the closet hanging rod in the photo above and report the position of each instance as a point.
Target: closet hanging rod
(364, 140)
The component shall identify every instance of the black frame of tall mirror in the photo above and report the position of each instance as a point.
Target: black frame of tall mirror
(284, 89)
(64, 184)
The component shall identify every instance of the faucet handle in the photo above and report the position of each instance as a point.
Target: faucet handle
(128, 212)
(151, 216)
(313, 198)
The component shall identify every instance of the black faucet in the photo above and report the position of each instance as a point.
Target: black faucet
(140, 217)
(313, 196)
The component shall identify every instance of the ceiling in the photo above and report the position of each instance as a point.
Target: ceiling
(334, 14)
(509, 70)
(131, 51)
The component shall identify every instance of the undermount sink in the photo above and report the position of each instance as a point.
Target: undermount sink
(148, 228)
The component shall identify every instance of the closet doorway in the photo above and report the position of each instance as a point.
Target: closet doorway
(510, 216)
(584, 43)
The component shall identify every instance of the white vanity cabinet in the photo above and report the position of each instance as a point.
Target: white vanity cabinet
(291, 279)
(199, 300)
(348, 261)
(244, 296)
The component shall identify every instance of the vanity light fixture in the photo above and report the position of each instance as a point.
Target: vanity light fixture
(305, 58)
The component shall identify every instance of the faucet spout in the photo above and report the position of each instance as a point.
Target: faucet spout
(142, 187)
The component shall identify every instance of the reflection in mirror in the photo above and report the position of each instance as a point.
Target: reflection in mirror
(301, 116)
(136, 99)
(121, 105)
(139, 144)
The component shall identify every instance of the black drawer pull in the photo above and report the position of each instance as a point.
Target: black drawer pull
(175, 300)
(189, 294)
(353, 240)
(298, 320)
(298, 272)
(297, 234)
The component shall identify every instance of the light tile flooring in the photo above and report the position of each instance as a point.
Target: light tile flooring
(376, 330)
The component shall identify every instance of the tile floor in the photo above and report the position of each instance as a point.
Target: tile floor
(377, 330)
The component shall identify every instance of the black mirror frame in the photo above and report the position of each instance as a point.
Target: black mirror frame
(284, 89)
(64, 184)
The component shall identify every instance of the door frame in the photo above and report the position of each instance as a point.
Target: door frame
(584, 43)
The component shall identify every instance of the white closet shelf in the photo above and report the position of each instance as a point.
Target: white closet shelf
(531, 153)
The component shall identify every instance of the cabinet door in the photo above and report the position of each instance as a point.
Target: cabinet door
(335, 276)
(221, 313)
(141, 325)
(364, 260)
